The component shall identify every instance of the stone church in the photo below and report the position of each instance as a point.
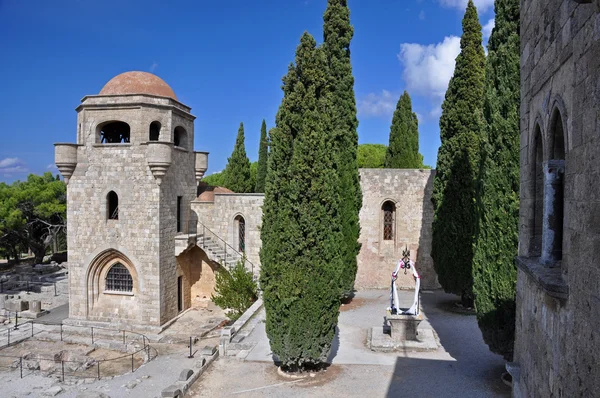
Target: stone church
(146, 237)
(557, 345)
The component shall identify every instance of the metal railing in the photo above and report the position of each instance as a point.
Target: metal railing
(95, 368)
(228, 256)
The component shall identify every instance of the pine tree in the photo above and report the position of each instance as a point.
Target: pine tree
(337, 34)
(494, 272)
(301, 233)
(403, 148)
(454, 190)
(263, 153)
(237, 171)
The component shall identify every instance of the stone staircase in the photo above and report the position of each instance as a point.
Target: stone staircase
(215, 247)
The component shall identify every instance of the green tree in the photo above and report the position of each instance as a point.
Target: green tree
(263, 154)
(403, 148)
(337, 34)
(301, 232)
(237, 173)
(235, 289)
(455, 184)
(371, 156)
(218, 179)
(494, 272)
(215, 179)
(32, 212)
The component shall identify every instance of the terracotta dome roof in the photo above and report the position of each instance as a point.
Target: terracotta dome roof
(138, 83)
(208, 193)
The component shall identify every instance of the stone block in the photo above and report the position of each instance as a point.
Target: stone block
(404, 327)
(17, 305)
(185, 374)
(209, 350)
(172, 391)
(36, 306)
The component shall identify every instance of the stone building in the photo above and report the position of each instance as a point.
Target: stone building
(146, 237)
(397, 213)
(558, 287)
(131, 177)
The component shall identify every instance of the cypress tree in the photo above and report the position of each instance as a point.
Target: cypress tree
(263, 153)
(494, 272)
(403, 148)
(337, 34)
(237, 171)
(455, 184)
(301, 231)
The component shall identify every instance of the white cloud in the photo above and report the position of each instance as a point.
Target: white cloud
(376, 105)
(10, 166)
(51, 166)
(487, 29)
(153, 66)
(428, 68)
(8, 162)
(481, 5)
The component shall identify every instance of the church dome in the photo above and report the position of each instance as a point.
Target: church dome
(138, 83)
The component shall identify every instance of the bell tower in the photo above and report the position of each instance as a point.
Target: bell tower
(130, 179)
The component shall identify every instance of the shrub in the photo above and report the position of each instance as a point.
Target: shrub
(235, 290)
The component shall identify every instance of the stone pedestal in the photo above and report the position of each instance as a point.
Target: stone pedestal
(404, 327)
(35, 306)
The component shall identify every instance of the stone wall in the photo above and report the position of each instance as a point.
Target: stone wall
(410, 191)
(557, 326)
(220, 217)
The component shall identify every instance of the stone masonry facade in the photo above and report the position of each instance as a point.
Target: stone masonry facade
(409, 190)
(139, 253)
(558, 286)
(410, 193)
(142, 237)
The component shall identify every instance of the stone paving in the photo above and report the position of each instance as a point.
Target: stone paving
(463, 366)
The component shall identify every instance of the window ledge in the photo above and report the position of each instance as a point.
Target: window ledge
(116, 293)
(549, 279)
(123, 144)
(180, 148)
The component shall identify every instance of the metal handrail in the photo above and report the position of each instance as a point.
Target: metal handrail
(227, 245)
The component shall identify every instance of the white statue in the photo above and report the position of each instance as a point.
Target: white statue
(406, 264)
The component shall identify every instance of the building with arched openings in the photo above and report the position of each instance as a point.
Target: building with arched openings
(146, 237)
(558, 284)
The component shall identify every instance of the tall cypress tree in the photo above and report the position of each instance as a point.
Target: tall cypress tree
(263, 153)
(403, 148)
(455, 184)
(237, 171)
(494, 272)
(301, 232)
(337, 34)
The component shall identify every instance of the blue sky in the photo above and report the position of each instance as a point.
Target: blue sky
(224, 59)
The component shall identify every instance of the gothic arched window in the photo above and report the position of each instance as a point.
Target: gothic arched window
(118, 279)
(241, 233)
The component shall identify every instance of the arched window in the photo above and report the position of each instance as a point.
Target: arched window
(180, 137)
(112, 206)
(538, 194)
(241, 233)
(389, 218)
(114, 133)
(154, 131)
(554, 187)
(118, 279)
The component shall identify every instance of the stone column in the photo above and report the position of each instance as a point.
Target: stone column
(552, 231)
